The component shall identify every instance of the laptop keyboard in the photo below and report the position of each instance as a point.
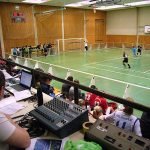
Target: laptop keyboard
(18, 87)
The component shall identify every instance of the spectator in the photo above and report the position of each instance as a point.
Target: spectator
(37, 77)
(101, 101)
(112, 106)
(125, 119)
(66, 87)
(10, 68)
(10, 133)
(90, 97)
(46, 87)
(15, 51)
(95, 100)
(97, 112)
(2, 64)
(71, 92)
(145, 124)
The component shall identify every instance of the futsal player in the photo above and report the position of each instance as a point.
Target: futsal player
(86, 45)
(125, 60)
(134, 50)
(139, 51)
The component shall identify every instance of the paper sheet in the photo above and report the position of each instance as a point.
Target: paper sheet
(7, 101)
(22, 95)
(12, 108)
(46, 144)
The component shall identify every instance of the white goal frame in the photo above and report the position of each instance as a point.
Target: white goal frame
(65, 44)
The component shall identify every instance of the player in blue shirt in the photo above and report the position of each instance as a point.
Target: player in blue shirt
(134, 50)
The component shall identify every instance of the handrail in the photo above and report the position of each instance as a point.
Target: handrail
(85, 88)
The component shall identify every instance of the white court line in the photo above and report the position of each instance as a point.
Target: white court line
(136, 85)
(146, 71)
(110, 59)
(120, 73)
(43, 56)
(121, 68)
(91, 63)
(102, 61)
(97, 75)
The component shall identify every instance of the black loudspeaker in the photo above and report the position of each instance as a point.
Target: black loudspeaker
(111, 137)
(39, 96)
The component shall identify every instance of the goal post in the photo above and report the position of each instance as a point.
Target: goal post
(69, 44)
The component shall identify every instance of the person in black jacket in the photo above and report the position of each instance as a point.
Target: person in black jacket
(145, 124)
(66, 87)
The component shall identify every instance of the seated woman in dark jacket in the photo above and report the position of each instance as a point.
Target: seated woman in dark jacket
(46, 87)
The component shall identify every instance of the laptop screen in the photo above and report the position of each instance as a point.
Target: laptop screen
(26, 79)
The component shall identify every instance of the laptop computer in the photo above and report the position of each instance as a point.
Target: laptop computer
(24, 84)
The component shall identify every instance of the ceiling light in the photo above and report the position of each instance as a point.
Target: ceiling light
(110, 7)
(35, 1)
(79, 4)
(138, 3)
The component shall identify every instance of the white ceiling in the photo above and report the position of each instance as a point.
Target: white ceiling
(62, 3)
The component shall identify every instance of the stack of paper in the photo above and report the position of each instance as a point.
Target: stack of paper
(10, 106)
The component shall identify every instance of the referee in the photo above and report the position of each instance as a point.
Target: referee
(125, 60)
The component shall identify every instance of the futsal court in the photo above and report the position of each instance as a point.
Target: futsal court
(105, 66)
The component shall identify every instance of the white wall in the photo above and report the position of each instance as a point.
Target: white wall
(143, 19)
(127, 21)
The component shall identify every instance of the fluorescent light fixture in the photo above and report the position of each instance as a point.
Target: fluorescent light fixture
(110, 7)
(138, 3)
(35, 1)
(124, 6)
(79, 4)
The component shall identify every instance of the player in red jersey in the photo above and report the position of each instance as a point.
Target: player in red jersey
(95, 100)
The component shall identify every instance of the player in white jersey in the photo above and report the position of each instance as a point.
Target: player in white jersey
(125, 120)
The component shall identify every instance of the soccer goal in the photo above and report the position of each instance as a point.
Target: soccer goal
(69, 44)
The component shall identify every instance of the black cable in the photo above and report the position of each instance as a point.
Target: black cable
(34, 128)
(17, 117)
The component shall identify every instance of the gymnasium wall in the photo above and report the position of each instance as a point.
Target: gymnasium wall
(127, 25)
(78, 23)
(95, 26)
(16, 34)
(48, 25)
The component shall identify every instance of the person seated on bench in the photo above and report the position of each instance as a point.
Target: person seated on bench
(46, 87)
(66, 87)
(71, 92)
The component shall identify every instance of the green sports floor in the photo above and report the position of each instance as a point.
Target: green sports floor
(106, 67)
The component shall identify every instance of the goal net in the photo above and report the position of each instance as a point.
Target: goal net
(69, 44)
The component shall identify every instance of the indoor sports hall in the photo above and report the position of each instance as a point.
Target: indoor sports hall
(105, 43)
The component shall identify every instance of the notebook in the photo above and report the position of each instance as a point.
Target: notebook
(24, 84)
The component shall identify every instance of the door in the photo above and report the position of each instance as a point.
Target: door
(99, 30)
